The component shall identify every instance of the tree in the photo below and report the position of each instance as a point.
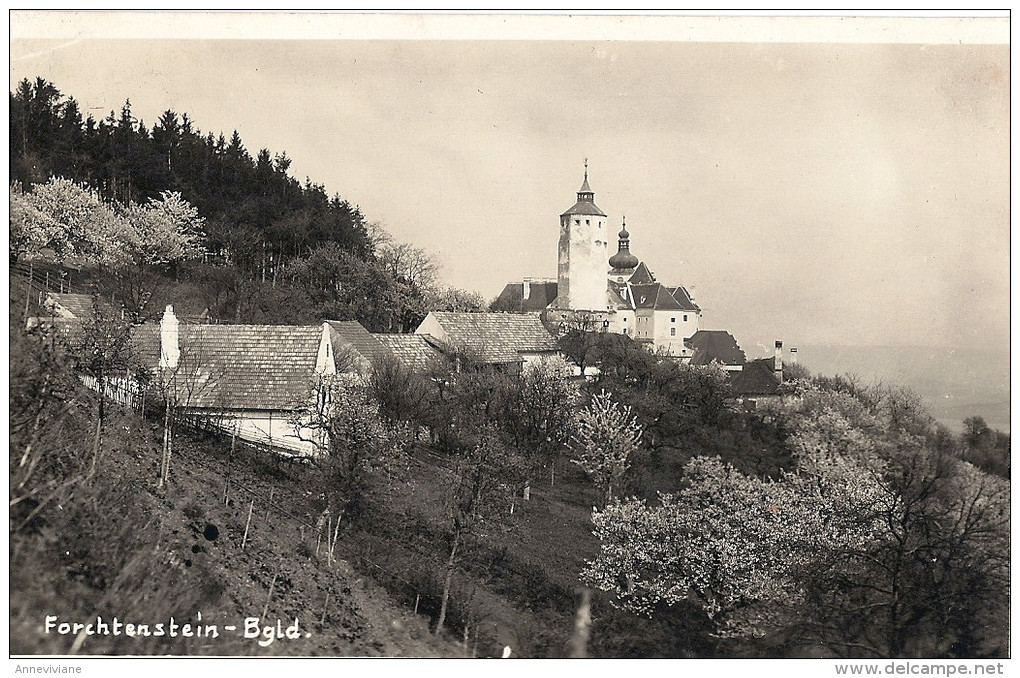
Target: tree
(607, 434)
(31, 229)
(344, 287)
(409, 264)
(404, 395)
(539, 412)
(169, 230)
(863, 549)
(478, 496)
(343, 419)
(454, 299)
(80, 227)
(104, 351)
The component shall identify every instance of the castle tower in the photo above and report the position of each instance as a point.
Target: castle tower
(582, 254)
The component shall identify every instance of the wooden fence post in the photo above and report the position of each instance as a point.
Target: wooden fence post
(247, 523)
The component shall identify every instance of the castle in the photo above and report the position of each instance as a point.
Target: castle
(595, 291)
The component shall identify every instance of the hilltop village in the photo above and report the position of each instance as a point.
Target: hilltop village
(250, 379)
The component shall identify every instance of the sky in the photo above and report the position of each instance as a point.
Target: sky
(852, 192)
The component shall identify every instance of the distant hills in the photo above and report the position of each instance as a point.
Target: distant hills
(957, 382)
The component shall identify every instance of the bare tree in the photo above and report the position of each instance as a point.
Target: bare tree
(478, 495)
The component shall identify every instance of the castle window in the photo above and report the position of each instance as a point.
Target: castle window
(672, 320)
(685, 318)
(625, 330)
(672, 331)
(587, 221)
(577, 221)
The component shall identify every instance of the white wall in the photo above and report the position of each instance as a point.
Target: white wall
(583, 257)
(669, 329)
(431, 327)
(623, 319)
(267, 428)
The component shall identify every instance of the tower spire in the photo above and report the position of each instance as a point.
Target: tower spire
(585, 194)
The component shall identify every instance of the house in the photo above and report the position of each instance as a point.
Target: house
(80, 306)
(505, 339)
(533, 295)
(716, 346)
(416, 352)
(759, 381)
(248, 379)
(66, 314)
(348, 347)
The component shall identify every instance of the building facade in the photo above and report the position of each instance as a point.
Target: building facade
(596, 291)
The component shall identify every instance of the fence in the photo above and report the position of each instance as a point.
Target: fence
(121, 390)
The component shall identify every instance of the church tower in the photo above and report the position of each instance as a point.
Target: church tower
(583, 249)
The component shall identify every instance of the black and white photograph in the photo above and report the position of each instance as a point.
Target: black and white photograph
(509, 335)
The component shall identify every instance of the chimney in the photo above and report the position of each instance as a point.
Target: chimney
(793, 356)
(169, 340)
(527, 289)
(778, 364)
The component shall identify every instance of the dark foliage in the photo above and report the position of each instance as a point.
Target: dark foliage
(257, 216)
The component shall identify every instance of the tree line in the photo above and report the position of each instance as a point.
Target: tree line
(170, 214)
(838, 520)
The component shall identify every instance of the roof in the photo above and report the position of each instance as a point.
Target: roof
(540, 295)
(145, 340)
(718, 345)
(584, 207)
(352, 334)
(257, 367)
(683, 297)
(78, 305)
(756, 379)
(68, 330)
(655, 296)
(495, 337)
(618, 296)
(641, 275)
(623, 260)
(413, 351)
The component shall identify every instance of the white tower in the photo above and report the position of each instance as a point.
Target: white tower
(582, 254)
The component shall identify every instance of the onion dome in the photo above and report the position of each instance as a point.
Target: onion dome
(623, 259)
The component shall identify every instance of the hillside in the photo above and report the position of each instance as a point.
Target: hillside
(956, 383)
(121, 548)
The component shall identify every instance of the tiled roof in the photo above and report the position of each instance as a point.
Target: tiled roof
(495, 337)
(79, 305)
(412, 350)
(145, 341)
(641, 275)
(709, 345)
(584, 208)
(67, 330)
(756, 379)
(683, 298)
(71, 331)
(654, 296)
(259, 367)
(351, 333)
(540, 295)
